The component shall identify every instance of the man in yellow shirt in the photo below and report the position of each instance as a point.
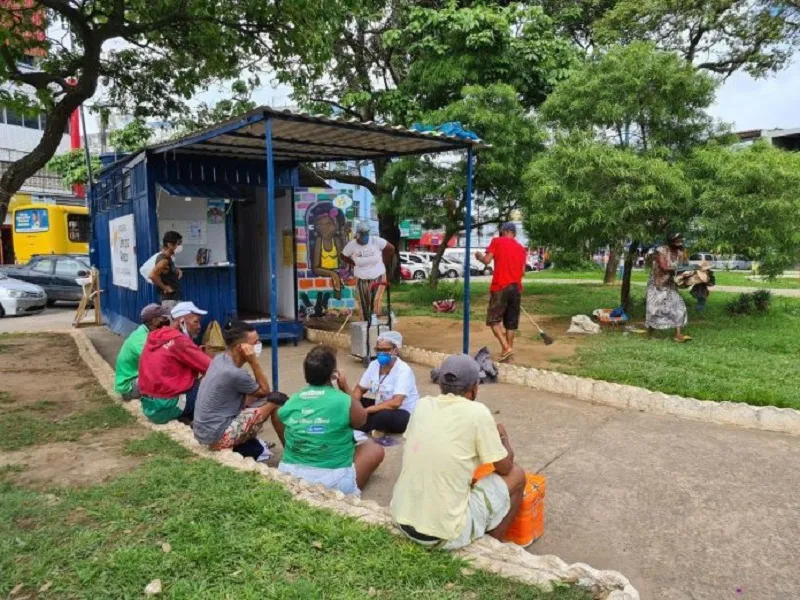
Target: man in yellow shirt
(434, 501)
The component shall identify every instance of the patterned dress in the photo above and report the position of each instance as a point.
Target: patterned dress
(665, 307)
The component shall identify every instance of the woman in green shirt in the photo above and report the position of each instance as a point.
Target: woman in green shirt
(316, 428)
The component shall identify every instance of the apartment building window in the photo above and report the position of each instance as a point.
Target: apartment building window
(31, 122)
(13, 118)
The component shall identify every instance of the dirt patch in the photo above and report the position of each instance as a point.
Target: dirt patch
(44, 373)
(445, 335)
(93, 459)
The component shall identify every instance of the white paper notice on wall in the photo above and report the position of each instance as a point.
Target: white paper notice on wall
(192, 232)
(124, 268)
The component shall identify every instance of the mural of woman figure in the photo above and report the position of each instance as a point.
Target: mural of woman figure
(327, 247)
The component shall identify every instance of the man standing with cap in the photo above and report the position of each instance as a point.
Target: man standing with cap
(368, 254)
(170, 366)
(505, 293)
(434, 501)
(126, 382)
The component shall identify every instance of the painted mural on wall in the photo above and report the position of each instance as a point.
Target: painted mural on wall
(323, 226)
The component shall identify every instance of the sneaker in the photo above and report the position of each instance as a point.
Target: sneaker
(359, 436)
(266, 453)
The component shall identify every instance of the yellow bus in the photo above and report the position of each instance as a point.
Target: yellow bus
(50, 229)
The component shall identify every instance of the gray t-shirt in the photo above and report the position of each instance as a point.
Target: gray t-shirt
(220, 398)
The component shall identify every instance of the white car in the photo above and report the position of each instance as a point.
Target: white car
(476, 267)
(417, 270)
(20, 298)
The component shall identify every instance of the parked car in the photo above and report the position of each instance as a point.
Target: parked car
(416, 270)
(476, 267)
(447, 268)
(696, 259)
(19, 297)
(57, 274)
(738, 263)
(451, 267)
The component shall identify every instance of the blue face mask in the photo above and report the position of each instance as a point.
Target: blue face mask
(363, 240)
(384, 358)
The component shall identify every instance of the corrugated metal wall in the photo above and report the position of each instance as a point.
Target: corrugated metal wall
(131, 188)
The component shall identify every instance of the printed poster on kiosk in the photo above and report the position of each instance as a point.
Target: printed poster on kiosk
(124, 269)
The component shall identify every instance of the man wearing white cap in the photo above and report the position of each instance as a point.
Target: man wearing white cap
(170, 366)
(391, 385)
(368, 254)
(435, 501)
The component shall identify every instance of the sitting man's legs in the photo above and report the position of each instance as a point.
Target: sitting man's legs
(245, 426)
(493, 504)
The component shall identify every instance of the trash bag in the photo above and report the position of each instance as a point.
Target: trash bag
(487, 366)
(148, 267)
(488, 370)
(583, 324)
(212, 338)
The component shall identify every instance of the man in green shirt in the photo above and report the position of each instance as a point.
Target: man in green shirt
(126, 382)
(316, 426)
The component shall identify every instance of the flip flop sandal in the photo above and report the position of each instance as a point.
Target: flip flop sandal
(506, 355)
(684, 339)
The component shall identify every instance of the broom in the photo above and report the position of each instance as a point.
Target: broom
(542, 334)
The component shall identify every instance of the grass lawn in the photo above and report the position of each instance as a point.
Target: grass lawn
(204, 530)
(732, 278)
(747, 358)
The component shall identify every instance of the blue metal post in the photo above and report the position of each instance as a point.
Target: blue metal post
(468, 253)
(273, 255)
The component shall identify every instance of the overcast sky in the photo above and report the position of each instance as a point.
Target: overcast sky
(745, 102)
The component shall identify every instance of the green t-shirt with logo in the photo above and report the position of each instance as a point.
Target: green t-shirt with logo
(317, 428)
(127, 368)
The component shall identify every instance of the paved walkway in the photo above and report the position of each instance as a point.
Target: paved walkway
(685, 510)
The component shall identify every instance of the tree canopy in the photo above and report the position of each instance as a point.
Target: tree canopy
(150, 57)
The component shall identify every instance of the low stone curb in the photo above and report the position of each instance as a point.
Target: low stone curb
(507, 560)
(764, 418)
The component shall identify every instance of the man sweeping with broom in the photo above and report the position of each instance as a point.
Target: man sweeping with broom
(505, 293)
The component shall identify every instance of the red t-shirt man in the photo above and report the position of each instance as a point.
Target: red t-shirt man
(505, 293)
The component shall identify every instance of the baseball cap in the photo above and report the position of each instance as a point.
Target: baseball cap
(461, 370)
(153, 311)
(363, 227)
(181, 309)
(509, 227)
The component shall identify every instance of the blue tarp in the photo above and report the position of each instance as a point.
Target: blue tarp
(452, 128)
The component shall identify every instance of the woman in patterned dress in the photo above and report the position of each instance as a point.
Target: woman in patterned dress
(665, 307)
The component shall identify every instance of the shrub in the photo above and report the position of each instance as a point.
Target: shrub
(424, 295)
(572, 260)
(747, 304)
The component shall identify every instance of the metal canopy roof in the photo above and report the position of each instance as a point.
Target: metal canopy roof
(300, 137)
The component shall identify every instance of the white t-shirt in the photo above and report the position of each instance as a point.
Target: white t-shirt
(400, 380)
(368, 258)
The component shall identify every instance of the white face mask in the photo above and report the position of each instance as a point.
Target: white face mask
(184, 329)
(257, 348)
(178, 248)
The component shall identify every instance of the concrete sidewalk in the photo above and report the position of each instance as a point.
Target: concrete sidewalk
(683, 509)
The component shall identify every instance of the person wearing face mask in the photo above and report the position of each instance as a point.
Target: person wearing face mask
(224, 416)
(435, 501)
(170, 366)
(391, 385)
(368, 254)
(166, 276)
(126, 381)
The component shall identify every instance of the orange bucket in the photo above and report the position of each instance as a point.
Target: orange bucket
(528, 526)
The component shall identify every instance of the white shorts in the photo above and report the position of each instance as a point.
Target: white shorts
(343, 479)
(488, 504)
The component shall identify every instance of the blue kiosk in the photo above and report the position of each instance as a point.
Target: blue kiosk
(230, 190)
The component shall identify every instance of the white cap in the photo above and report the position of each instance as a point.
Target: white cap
(393, 337)
(181, 309)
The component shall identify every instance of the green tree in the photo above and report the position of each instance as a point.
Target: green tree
(149, 56)
(748, 202)
(71, 166)
(206, 115)
(636, 99)
(131, 138)
(396, 60)
(584, 192)
(721, 36)
(432, 190)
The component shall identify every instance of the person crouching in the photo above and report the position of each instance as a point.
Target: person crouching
(316, 426)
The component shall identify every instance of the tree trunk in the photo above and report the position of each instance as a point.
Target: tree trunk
(388, 225)
(611, 266)
(625, 290)
(437, 258)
